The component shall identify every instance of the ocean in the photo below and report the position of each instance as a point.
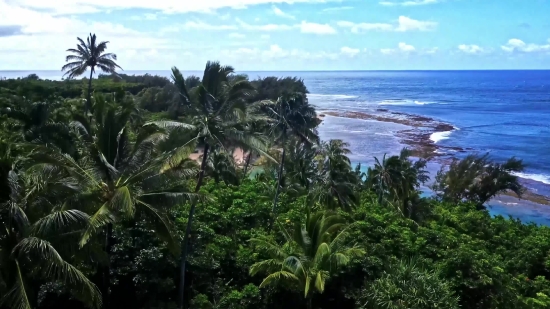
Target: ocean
(503, 113)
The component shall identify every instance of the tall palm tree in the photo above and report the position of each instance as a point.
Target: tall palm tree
(384, 178)
(396, 180)
(337, 182)
(116, 180)
(35, 241)
(309, 256)
(414, 174)
(89, 55)
(293, 117)
(302, 166)
(218, 114)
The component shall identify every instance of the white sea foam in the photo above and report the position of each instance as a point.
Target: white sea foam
(423, 103)
(405, 102)
(394, 102)
(332, 96)
(536, 177)
(439, 136)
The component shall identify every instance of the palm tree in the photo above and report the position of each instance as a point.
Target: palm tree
(302, 166)
(413, 175)
(396, 180)
(221, 167)
(89, 55)
(384, 178)
(477, 179)
(293, 117)
(115, 180)
(309, 256)
(218, 114)
(34, 241)
(35, 122)
(337, 182)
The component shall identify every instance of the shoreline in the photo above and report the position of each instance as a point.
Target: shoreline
(419, 139)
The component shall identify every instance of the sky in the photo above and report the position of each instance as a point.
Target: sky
(282, 35)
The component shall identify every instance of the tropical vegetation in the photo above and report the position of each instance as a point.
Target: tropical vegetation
(215, 191)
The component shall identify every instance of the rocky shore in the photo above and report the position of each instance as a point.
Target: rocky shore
(417, 137)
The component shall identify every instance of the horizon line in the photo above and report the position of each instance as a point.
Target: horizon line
(378, 70)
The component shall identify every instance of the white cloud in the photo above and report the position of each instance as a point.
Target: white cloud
(315, 28)
(197, 25)
(338, 8)
(470, 49)
(280, 13)
(402, 48)
(265, 36)
(169, 6)
(405, 47)
(409, 3)
(264, 27)
(350, 52)
(431, 51)
(403, 24)
(517, 45)
(236, 35)
(409, 24)
(361, 27)
(275, 52)
(146, 16)
(225, 16)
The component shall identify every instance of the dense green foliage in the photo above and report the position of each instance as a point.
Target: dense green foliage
(109, 210)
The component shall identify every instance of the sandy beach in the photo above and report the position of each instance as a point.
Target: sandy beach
(239, 156)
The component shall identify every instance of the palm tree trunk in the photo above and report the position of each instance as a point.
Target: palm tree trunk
(107, 269)
(280, 176)
(88, 106)
(247, 163)
(309, 302)
(183, 261)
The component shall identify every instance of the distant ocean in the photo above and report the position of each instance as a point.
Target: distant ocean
(505, 113)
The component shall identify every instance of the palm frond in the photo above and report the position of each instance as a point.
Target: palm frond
(275, 277)
(165, 124)
(164, 227)
(18, 296)
(100, 218)
(52, 265)
(59, 220)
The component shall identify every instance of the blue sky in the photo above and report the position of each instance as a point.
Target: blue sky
(283, 34)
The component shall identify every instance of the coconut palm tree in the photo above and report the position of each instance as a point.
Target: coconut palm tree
(396, 180)
(302, 166)
(89, 55)
(116, 180)
(385, 177)
(477, 179)
(337, 182)
(35, 242)
(221, 167)
(37, 125)
(293, 117)
(218, 115)
(308, 257)
(414, 174)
